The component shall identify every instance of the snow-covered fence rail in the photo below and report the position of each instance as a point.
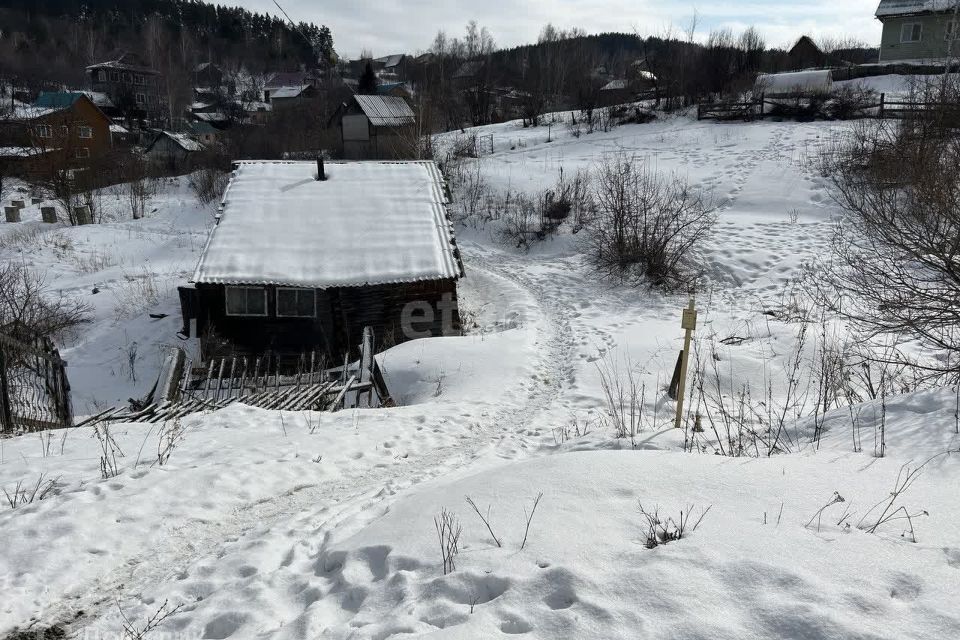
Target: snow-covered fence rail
(34, 391)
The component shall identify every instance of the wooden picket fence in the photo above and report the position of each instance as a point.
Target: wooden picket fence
(34, 390)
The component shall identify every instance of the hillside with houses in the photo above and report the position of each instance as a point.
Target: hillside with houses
(604, 335)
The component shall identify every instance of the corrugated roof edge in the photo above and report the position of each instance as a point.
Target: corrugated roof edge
(444, 222)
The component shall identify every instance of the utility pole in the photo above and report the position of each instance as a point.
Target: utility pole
(689, 324)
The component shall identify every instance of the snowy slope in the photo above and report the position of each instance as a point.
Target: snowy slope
(269, 525)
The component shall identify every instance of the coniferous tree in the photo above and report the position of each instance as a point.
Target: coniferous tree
(367, 85)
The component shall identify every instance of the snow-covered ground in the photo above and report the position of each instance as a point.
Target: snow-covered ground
(125, 270)
(288, 525)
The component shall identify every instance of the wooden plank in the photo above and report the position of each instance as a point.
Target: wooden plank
(343, 392)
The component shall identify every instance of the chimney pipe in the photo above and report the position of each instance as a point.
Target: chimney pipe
(321, 175)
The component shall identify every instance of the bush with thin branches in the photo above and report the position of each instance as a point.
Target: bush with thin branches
(894, 273)
(648, 226)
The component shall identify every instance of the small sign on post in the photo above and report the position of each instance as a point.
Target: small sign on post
(688, 322)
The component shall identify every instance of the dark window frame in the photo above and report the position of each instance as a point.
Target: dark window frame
(246, 301)
(914, 27)
(298, 291)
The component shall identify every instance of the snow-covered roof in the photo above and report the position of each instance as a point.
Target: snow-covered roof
(367, 223)
(118, 128)
(774, 84)
(391, 60)
(182, 140)
(385, 111)
(288, 92)
(614, 85)
(17, 152)
(912, 7)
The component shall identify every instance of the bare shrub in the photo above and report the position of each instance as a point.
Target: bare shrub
(648, 226)
(27, 305)
(134, 631)
(836, 498)
(448, 531)
(747, 422)
(485, 519)
(625, 395)
(849, 103)
(91, 262)
(890, 509)
(24, 236)
(26, 494)
(108, 451)
(137, 293)
(171, 435)
(139, 188)
(893, 272)
(529, 517)
(662, 530)
(529, 218)
(209, 184)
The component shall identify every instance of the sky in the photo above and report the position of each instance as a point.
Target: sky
(383, 27)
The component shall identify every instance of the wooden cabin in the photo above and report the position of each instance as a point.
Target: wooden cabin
(304, 255)
(376, 128)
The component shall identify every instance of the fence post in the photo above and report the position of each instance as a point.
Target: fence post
(699, 111)
(6, 414)
(882, 100)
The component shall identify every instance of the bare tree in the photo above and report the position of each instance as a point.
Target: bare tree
(894, 272)
(26, 304)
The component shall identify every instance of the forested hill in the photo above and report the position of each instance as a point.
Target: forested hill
(55, 39)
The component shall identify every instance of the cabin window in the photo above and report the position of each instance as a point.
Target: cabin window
(85, 132)
(82, 152)
(141, 98)
(114, 76)
(911, 32)
(44, 131)
(296, 303)
(246, 301)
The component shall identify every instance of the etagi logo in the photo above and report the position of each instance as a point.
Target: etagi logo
(419, 318)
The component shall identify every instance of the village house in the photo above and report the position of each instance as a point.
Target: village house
(805, 54)
(304, 255)
(389, 68)
(173, 152)
(376, 128)
(64, 128)
(204, 132)
(207, 74)
(917, 30)
(133, 87)
(289, 96)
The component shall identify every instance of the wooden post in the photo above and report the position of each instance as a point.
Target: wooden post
(689, 324)
(882, 100)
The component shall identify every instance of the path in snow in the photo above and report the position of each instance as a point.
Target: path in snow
(197, 555)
